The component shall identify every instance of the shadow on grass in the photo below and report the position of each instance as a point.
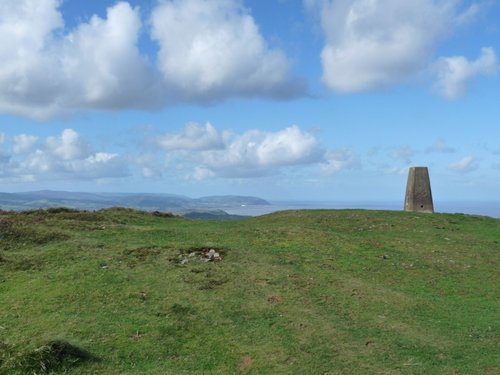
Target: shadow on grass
(57, 355)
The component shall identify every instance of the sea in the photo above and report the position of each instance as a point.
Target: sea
(482, 208)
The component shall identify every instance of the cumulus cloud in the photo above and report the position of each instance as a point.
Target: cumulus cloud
(105, 66)
(465, 165)
(193, 137)
(96, 66)
(208, 50)
(258, 153)
(23, 143)
(65, 157)
(454, 73)
(68, 146)
(211, 49)
(251, 154)
(377, 43)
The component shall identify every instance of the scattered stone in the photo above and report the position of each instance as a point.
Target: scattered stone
(211, 256)
(385, 256)
(203, 254)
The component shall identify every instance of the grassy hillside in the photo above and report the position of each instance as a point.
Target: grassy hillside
(299, 292)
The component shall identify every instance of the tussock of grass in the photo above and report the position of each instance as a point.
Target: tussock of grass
(298, 292)
(54, 356)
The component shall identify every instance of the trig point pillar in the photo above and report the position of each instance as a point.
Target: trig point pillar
(418, 191)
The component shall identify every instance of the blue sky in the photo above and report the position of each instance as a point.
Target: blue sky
(282, 99)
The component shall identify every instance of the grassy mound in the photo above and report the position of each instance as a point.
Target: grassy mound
(297, 292)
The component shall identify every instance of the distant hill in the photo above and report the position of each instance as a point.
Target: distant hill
(142, 201)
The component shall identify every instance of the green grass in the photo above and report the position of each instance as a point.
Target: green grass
(297, 292)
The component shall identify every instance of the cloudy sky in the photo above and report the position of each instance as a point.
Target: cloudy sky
(282, 99)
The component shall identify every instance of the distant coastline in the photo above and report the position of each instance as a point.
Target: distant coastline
(217, 205)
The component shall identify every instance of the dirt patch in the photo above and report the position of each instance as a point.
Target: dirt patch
(245, 363)
(275, 300)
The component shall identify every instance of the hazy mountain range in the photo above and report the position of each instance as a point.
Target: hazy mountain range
(142, 201)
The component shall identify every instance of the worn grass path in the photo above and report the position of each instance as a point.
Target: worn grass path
(297, 292)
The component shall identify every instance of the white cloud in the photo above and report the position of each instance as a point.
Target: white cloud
(440, 146)
(96, 66)
(147, 164)
(201, 173)
(103, 64)
(193, 137)
(4, 157)
(97, 166)
(23, 143)
(454, 73)
(336, 161)
(289, 146)
(251, 154)
(376, 43)
(465, 165)
(209, 50)
(27, 77)
(212, 49)
(68, 146)
(65, 157)
(258, 153)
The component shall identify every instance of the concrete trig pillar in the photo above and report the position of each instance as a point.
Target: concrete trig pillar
(418, 191)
